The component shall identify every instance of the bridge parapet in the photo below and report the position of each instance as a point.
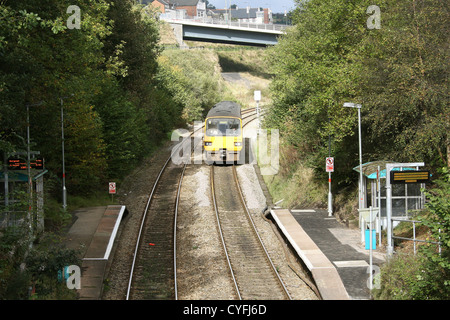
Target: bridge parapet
(246, 34)
(216, 23)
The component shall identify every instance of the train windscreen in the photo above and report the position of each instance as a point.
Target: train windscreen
(221, 127)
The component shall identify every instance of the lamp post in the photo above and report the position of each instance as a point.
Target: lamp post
(30, 181)
(358, 106)
(63, 164)
(62, 146)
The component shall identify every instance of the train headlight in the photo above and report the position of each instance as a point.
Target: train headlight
(238, 144)
(208, 143)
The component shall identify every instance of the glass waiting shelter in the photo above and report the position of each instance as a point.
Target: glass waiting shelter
(14, 198)
(406, 198)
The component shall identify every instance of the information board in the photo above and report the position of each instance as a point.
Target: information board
(21, 164)
(410, 176)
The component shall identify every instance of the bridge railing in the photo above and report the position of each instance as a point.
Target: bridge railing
(211, 21)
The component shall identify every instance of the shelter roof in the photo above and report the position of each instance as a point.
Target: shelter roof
(22, 175)
(370, 169)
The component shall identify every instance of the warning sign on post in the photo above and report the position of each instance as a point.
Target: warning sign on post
(112, 188)
(329, 164)
(257, 95)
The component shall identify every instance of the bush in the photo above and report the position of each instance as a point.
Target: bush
(192, 77)
(409, 277)
(427, 275)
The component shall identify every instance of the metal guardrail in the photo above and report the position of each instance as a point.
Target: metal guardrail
(414, 234)
(206, 21)
(12, 218)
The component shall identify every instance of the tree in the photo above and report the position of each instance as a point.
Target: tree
(399, 73)
(403, 78)
(42, 61)
(313, 67)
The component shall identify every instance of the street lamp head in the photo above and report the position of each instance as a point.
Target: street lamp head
(352, 105)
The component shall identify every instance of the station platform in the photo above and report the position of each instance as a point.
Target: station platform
(94, 231)
(334, 254)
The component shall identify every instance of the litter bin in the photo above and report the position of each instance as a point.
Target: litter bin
(374, 239)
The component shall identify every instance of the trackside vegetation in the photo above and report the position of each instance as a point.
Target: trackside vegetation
(426, 275)
(123, 89)
(121, 97)
(399, 74)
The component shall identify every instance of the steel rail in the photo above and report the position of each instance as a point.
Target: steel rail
(244, 205)
(175, 232)
(175, 224)
(143, 219)
(216, 209)
(142, 227)
(256, 233)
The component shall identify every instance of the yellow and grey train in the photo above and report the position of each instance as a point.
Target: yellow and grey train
(222, 139)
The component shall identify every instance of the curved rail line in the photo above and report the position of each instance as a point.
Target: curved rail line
(253, 273)
(144, 218)
(246, 249)
(241, 196)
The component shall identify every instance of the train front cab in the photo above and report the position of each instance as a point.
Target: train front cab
(223, 141)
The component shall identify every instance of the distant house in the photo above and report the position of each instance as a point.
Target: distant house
(246, 15)
(189, 8)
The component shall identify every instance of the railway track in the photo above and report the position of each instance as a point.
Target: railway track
(252, 270)
(153, 272)
(152, 275)
(153, 269)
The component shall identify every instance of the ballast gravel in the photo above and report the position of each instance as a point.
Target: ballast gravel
(202, 270)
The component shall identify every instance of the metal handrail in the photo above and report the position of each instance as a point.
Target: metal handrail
(262, 26)
(414, 234)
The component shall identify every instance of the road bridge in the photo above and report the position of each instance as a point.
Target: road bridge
(245, 34)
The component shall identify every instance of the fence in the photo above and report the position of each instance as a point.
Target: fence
(210, 21)
(414, 234)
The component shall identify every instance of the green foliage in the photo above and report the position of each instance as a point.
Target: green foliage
(106, 72)
(437, 219)
(402, 71)
(123, 129)
(104, 76)
(426, 275)
(398, 73)
(409, 277)
(43, 264)
(312, 66)
(43, 62)
(190, 78)
(13, 246)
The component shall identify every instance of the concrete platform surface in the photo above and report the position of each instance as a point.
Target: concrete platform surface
(94, 232)
(333, 253)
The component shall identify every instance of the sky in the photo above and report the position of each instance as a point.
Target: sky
(277, 6)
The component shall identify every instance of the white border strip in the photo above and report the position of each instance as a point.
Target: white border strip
(111, 239)
(113, 235)
(293, 243)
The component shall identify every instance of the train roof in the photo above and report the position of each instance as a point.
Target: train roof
(225, 109)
